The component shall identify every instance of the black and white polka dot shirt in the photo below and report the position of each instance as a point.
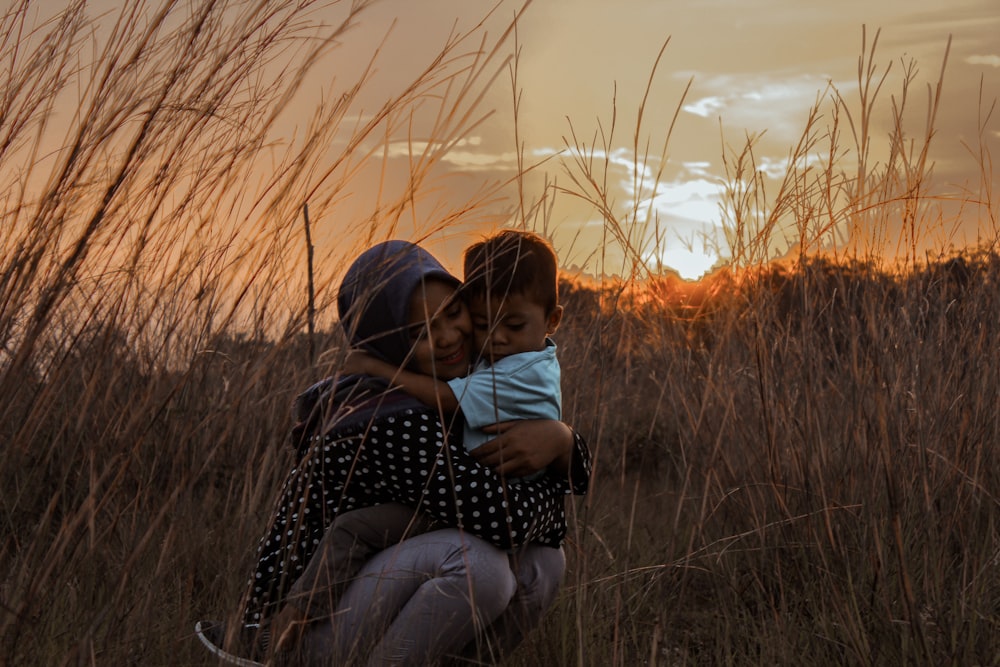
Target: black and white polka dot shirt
(404, 457)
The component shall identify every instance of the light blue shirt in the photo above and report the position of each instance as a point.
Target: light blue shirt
(519, 386)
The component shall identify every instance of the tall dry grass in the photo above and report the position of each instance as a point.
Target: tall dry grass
(806, 470)
(792, 461)
(797, 461)
(152, 292)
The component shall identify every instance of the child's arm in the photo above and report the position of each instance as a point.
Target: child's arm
(422, 387)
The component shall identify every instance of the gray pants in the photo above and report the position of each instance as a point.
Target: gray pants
(431, 597)
(348, 544)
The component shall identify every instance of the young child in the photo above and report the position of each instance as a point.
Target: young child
(511, 288)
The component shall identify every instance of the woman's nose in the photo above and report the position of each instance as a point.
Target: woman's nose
(447, 336)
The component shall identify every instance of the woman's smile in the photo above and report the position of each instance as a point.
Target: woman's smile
(453, 358)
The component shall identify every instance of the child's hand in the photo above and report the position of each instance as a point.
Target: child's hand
(357, 362)
(526, 446)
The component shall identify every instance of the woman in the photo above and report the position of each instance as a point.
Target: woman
(363, 444)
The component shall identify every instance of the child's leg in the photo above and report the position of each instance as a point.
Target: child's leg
(352, 539)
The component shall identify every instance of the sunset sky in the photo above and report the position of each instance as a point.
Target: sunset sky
(755, 67)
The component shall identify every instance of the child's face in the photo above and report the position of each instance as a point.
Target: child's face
(510, 325)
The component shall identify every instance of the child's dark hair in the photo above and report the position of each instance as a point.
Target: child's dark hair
(513, 262)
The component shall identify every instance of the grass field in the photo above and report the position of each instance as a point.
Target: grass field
(795, 462)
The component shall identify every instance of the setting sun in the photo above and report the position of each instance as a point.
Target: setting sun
(687, 262)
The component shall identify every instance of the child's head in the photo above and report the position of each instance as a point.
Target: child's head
(511, 285)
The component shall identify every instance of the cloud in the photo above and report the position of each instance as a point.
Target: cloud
(776, 168)
(692, 195)
(700, 168)
(775, 102)
(707, 107)
(681, 205)
(469, 160)
(466, 160)
(678, 218)
(992, 60)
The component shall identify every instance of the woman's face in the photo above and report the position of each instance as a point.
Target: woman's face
(440, 330)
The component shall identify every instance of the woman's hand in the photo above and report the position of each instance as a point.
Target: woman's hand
(525, 447)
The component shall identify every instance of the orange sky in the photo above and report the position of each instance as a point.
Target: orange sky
(755, 67)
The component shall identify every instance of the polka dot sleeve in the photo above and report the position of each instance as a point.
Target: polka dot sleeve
(579, 472)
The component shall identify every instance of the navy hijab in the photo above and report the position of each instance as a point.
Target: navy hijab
(374, 298)
(374, 308)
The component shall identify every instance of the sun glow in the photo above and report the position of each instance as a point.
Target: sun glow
(689, 263)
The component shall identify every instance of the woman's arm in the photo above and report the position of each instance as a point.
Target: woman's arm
(424, 388)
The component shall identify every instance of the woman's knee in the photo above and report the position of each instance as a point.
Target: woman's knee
(539, 570)
(484, 571)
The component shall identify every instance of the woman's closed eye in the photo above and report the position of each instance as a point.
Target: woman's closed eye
(454, 310)
(417, 332)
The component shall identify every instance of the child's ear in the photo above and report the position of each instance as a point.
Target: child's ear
(555, 317)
